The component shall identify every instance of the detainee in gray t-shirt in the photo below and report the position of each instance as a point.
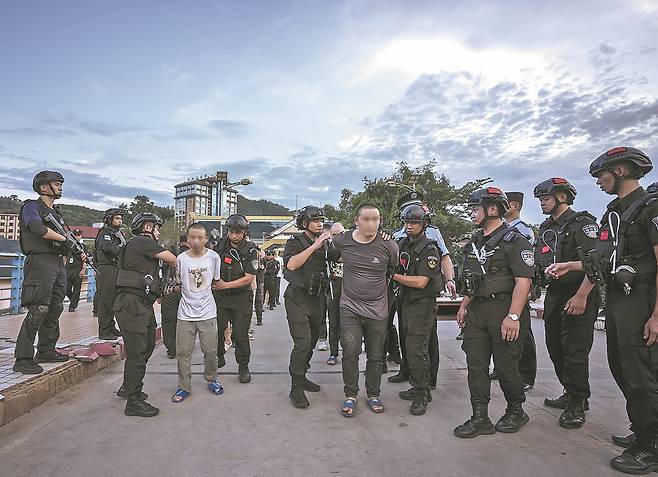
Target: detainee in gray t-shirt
(365, 268)
(368, 261)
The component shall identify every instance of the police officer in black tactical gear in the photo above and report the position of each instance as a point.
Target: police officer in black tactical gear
(572, 302)
(497, 273)
(75, 272)
(259, 293)
(239, 263)
(625, 259)
(169, 304)
(306, 260)
(109, 242)
(138, 286)
(421, 283)
(44, 276)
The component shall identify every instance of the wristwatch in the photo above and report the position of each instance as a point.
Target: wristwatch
(513, 317)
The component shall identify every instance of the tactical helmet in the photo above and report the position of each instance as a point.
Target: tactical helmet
(489, 196)
(415, 213)
(45, 177)
(110, 213)
(308, 213)
(554, 185)
(237, 222)
(140, 219)
(614, 156)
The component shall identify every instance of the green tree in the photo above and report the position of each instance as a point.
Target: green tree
(447, 202)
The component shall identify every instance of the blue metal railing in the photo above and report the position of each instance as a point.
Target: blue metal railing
(16, 263)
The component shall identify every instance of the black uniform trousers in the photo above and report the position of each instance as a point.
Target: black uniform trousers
(258, 299)
(73, 286)
(432, 350)
(240, 322)
(44, 282)
(633, 364)
(392, 345)
(136, 320)
(169, 312)
(569, 338)
(419, 317)
(106, 282)
(270, 289)
(333, 310)
(482, 338)
(304, 313)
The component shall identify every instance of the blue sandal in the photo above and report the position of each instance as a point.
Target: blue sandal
(332, 360)
(349, 407)
(179, 396)
(375, 405)
(215, 387)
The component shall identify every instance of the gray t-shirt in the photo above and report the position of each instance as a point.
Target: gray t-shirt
(365, 266)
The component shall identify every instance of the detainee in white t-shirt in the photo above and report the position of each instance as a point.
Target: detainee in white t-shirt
(196, 270)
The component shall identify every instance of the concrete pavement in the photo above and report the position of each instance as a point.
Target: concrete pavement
(253, 430)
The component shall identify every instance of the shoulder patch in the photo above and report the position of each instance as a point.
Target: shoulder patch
(432, 261)
(655, 222)
(528, 257)
(590, 230)
(254, 264)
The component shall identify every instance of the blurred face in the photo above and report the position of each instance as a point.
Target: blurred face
(117, 221)
(196, 239)
(236, 236)
(337, 228)
(413, 229)
(368, 221)
(315, 226)
(606, 181)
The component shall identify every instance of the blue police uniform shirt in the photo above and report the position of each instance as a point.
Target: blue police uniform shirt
(524, 229)
(432, 233)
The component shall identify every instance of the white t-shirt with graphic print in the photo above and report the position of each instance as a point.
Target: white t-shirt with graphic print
(195, 275)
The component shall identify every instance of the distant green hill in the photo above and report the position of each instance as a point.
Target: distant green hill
(80, 215)
(260, 207)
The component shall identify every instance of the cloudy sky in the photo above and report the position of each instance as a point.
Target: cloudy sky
(307, 97)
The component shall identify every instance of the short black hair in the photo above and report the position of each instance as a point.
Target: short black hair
(196, 226)
(365, 206)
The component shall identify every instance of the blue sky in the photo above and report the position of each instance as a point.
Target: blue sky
(307, 97)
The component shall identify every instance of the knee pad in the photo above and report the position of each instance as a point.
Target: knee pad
(37, 309)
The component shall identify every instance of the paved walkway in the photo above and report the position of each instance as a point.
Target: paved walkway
(253, 430)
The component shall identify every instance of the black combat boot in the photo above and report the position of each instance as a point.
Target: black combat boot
(297, 395)
(419, 403)
(122, 393)
(573, 417)
(625, 441)
(27, 366)
(139, 407)
(398, 378)
(221, 361)
(513, 419)
(479, 424)
(408, 394)
(51, 357)
(243, 374)
(639, 459)
(561, 402)
(310, 386)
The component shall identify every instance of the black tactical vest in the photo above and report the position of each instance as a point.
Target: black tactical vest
(232, 263)
(146, 282)
(312, 276)
(32, 243)
(414, 250)
(633, 247)
(117, 239)
(490, 274)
